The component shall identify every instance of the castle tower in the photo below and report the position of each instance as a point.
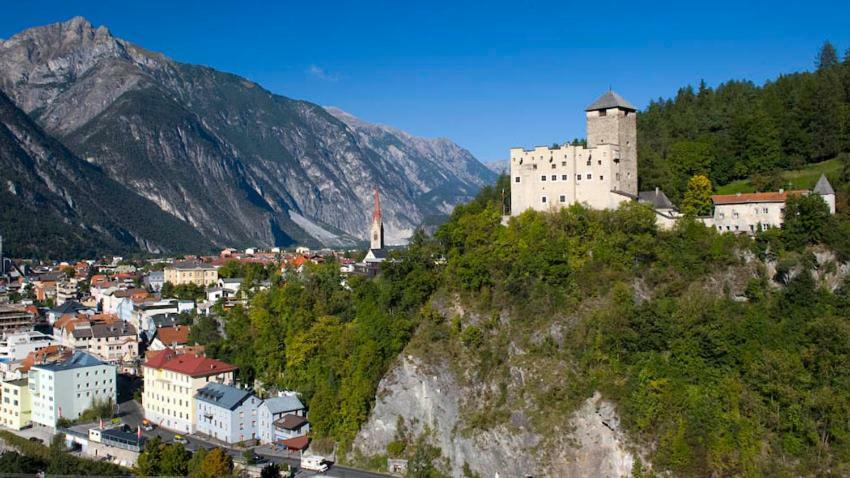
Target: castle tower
(612, 120)
(376, 233)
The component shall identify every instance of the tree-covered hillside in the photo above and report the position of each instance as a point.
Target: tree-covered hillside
(740, 130)
(725, 356)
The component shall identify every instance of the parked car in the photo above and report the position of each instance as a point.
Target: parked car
(147, 425)
(181, 440)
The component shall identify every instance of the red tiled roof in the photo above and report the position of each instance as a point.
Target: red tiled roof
(187, 364)
(744, 198)
(297, 443)
(173, 335)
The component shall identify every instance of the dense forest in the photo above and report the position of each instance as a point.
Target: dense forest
(739, 130)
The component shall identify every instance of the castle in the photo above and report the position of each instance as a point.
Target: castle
(601, 175)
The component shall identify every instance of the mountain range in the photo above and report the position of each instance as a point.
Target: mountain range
(217, 152)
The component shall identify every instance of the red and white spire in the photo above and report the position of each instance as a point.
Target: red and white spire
(376, 214)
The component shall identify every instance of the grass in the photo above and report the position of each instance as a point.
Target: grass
(804, 178)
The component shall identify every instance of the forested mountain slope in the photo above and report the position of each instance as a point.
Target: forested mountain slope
(740, 130)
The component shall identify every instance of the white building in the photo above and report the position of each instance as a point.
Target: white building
(748, 213)
(226, 413)
(601, 175)
(68, 386)
(16, 346)
(274, 409)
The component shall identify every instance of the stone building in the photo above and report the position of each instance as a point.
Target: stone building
(601, 175)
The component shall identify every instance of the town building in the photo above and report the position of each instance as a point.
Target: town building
(155, 280)
(17, 345)
(171, 380)
(273, 409)
(601, 175)
(15, 318)
(16, 409)
(66, 385)
(197, 273)
(749, 213)
(110, 339)
(226, 413)
(175, 336)
(66, 290)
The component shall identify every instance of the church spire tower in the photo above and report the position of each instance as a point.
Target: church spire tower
(376, 233)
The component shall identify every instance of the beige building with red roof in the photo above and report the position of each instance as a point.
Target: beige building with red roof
(748, 213)
(171, 381)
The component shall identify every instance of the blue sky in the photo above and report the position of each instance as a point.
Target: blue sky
(487, 75)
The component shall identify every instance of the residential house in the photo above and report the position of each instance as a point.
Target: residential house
(69, 308)
(16, 409)
(155, 280)
(173, 336)
(66, 290)
(171, 381)
(66, 385)
(226, 413)
(273, 409)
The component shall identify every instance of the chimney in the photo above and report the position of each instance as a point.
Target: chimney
(656, 190)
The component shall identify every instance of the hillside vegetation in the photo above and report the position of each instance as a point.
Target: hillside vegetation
(743, 131)
(718, 366)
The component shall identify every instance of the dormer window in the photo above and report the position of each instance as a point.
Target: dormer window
(603, 112)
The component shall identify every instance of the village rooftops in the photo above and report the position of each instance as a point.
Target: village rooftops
(656, 199)
(746, 198)
(286, 403)
(68, 307)
(176, 335)
(78, 359)
(290, 422)
(610, 100)
(192, 266)
(104, 330)
(225, 396)
(193, 365)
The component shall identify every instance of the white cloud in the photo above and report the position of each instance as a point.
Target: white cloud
(321, 73)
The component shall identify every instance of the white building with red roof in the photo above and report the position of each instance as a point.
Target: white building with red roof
(171, 381)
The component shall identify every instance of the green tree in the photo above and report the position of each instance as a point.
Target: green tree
(148, 463)
(196, 463)
(272, 470)
(697, 201)
(827, 56)
(807, 220)
(174, 460)
(217, 464)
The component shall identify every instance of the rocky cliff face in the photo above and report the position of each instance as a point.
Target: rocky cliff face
(55, 204)
(238, 163)
(430, 396)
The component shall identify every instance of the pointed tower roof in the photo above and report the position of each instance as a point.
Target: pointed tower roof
(823, 187)
(610, 100)
(376, 215)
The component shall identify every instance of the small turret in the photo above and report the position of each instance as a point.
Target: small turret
(824, 190)
(376, 233)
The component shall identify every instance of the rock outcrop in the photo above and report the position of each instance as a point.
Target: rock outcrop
(428, 397)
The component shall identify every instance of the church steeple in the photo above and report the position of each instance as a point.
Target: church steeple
(376, 233)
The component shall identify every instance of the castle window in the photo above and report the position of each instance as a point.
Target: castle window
(563, 198)
(601, 177)
(588, 175)
(554, 177)
(603, 112)
(543, 199)
(578, 177)
(563, 177)
(534, 166)
(752, 228)
(553, 165)
(563, 163)
(764, 210)
(516, 179)
(543, 178)
(588, 161)
(599, 162)
(722, 215)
